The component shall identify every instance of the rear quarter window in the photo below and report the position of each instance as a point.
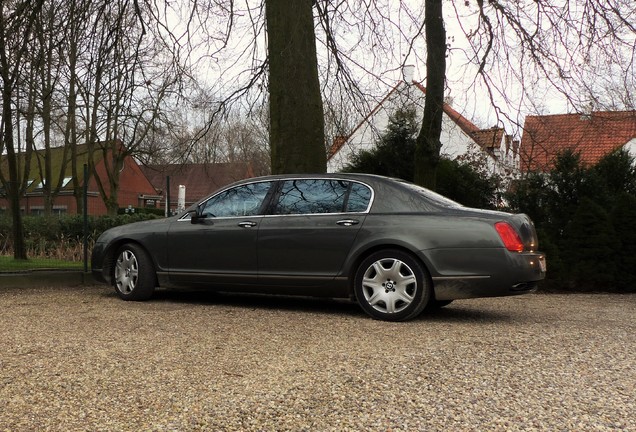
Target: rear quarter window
(359, 198)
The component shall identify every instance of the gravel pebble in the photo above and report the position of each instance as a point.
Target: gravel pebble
(80, 359)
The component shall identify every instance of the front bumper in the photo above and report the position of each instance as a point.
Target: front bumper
(97, 263)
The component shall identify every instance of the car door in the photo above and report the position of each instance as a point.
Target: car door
(220, 246)
(313, 225)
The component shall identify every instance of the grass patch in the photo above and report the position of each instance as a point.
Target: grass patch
(8, 264)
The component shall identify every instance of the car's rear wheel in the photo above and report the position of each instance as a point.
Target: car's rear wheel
(392, 285)
(134, 275)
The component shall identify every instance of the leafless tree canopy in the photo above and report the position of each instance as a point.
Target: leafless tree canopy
(577, 54)
(180, 80)
(506, 58)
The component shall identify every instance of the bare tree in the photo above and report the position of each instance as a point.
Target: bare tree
(17, 23)
(428, 145)
(528, 51)
(514, 57)
(295, 105)
(124, 85)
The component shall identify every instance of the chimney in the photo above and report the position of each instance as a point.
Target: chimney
(587, 113)
(407, 73)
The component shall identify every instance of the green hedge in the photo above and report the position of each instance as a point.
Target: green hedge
(585, 218)
(61, 236)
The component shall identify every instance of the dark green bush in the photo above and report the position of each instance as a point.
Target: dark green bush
(61, 236)
(394, 156)
(592, 245)
(394, 153)
(624, 220)
(585, 217)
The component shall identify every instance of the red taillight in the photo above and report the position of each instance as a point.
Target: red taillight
(509, 236)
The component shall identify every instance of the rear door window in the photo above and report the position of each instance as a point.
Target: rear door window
(322, 196)
(308, 196)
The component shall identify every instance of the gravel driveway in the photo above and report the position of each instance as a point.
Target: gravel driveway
(81, 359)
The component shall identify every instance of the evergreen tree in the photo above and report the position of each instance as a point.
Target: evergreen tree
(617, 174)
(394, 154)
(589, 247)
(464, 184)
(624, 221)
(531, 196)
(565, 189)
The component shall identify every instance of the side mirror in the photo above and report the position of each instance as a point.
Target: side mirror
(197, 217)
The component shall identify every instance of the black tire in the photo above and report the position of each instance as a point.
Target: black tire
(133, 276)
(434, 305)
(392, 285)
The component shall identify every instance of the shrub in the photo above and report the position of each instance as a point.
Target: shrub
(624, 220)
(592, 245)
(61, 237)
(394, 154)
(584, 217)
(462, 183)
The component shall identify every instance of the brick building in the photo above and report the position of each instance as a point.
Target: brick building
(199, 180)
(134, 188)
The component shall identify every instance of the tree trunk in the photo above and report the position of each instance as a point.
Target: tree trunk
(296, 114)
(428, 143)
(13, 183)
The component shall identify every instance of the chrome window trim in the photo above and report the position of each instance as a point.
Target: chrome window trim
(284, 179)
(227, 188)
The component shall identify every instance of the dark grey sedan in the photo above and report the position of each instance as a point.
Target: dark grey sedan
(394, 247)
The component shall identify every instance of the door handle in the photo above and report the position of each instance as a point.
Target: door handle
(247, 224)
(347, 222)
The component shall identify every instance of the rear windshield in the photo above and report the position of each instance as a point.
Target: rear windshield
(434, 197)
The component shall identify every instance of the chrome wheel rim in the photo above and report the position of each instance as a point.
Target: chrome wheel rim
(126, 272)
(389, 285)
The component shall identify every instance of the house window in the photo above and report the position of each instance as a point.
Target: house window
(57, 210)
(37, 210)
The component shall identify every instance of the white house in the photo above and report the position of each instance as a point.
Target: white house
(460, 138)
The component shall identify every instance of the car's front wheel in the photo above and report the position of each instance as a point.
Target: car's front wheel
(392, 285)
(434, 305)
(134, 275)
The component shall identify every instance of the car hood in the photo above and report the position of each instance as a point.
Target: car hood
(152, 225)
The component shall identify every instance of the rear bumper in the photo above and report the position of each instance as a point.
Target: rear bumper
(455, 289)
(518, 273)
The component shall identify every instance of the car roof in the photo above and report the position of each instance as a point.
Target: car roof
(395, 195)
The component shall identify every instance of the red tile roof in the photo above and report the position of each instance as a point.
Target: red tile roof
(593, 136)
